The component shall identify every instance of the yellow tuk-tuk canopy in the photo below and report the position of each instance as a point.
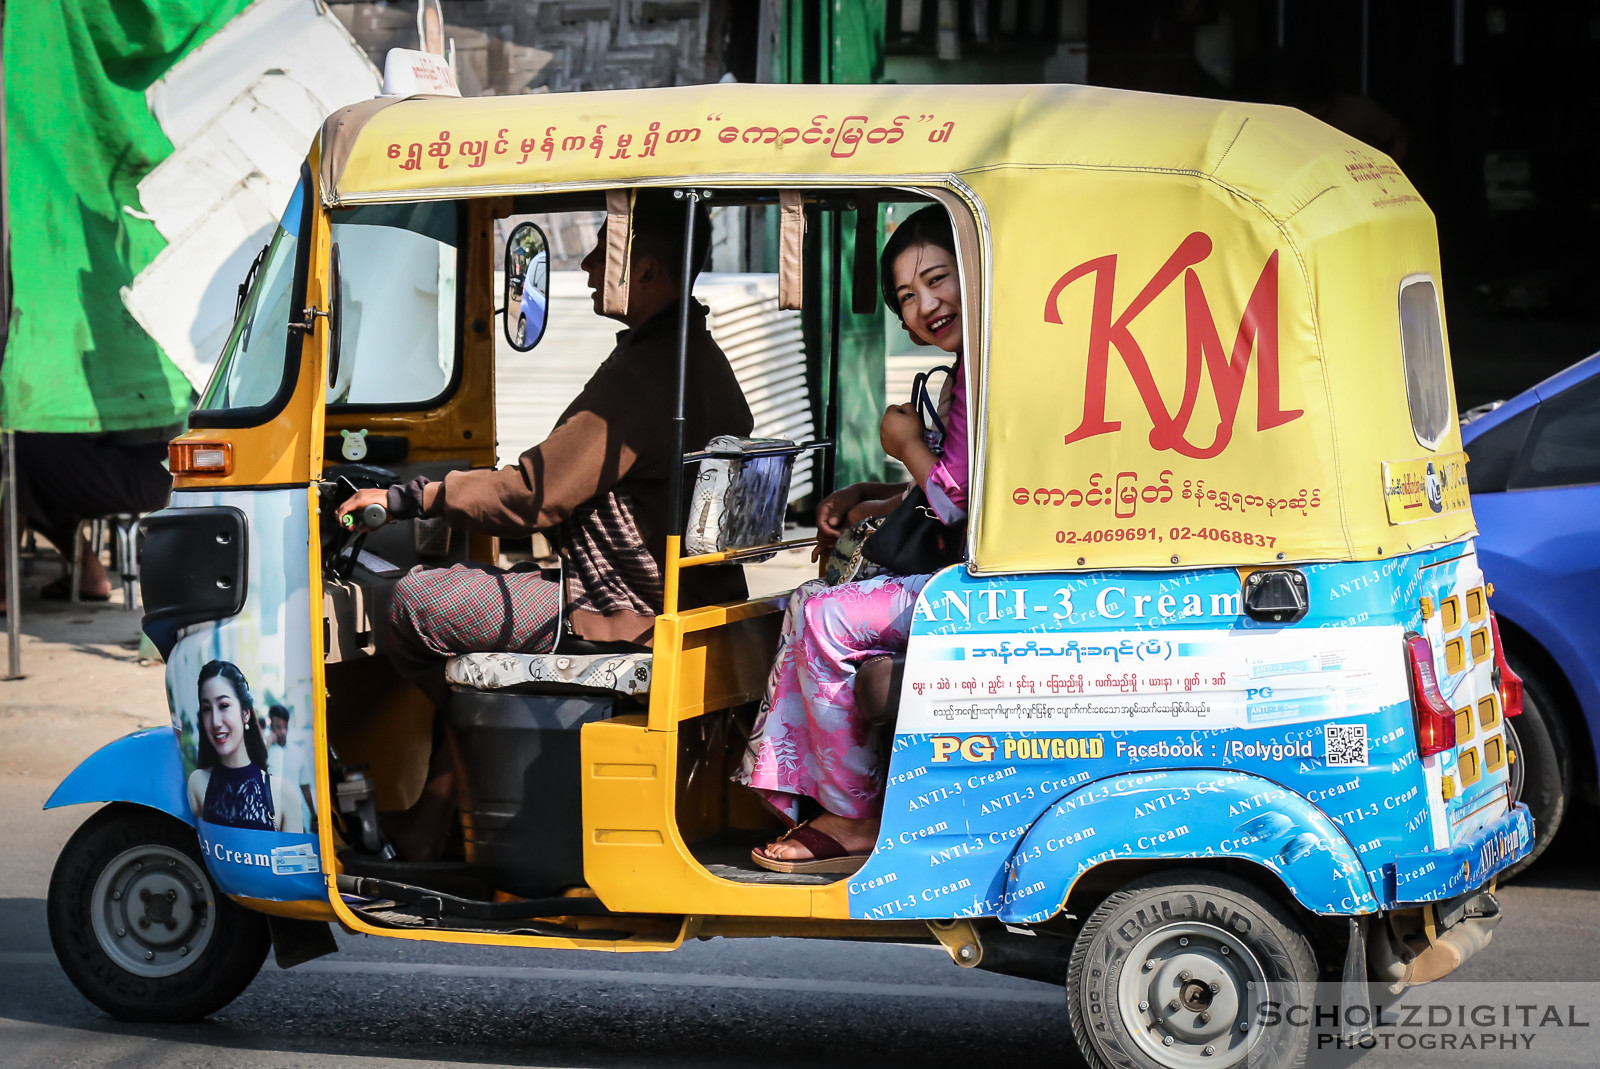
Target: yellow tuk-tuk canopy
(1210, 333)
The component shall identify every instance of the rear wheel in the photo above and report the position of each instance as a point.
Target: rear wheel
(522, 330)
(138, 925)
(1541, 764)
(1174, 971)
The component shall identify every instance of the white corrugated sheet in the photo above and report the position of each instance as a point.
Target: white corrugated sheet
(240, 111)
(764, 345)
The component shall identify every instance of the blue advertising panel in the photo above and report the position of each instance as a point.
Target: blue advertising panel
(240, 692)
(1050, 724)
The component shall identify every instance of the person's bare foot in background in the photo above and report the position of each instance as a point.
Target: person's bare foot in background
(94, 583)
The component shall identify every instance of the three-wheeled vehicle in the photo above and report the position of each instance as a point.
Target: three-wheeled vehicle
(1214, 707)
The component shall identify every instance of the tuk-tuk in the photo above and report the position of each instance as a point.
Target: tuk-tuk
(1214, 707)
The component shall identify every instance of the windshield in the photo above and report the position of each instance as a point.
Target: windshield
(250, 369)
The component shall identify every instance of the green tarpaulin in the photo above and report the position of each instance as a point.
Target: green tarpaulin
(79, 138)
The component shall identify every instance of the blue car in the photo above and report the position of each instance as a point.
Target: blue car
(531, 311)
(1534, 473)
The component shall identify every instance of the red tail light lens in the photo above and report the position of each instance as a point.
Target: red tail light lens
(1507, 682)
(1436, 721)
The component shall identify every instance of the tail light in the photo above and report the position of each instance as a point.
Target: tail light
(1506, 682)
(1436, 721)
(200, 458)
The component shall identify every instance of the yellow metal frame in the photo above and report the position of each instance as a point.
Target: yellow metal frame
(635, 858)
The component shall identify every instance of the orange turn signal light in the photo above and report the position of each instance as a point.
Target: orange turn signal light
(200, 458)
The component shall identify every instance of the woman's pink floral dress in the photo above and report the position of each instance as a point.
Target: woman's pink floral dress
(807, 739)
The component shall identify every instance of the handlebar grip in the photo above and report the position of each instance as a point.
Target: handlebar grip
(374, 516)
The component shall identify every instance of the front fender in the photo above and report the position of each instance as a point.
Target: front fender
(143, 768)
(1192, 813)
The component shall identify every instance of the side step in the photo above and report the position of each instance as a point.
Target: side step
(438, 904)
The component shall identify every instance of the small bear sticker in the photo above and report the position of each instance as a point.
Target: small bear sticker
(355, 445)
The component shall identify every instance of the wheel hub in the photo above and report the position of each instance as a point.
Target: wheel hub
(1187, 991)
(1195, 996)
(151, 909)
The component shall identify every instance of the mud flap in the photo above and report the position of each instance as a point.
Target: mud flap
(295, 942)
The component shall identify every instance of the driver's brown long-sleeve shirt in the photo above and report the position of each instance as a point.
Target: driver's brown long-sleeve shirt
(599, 481)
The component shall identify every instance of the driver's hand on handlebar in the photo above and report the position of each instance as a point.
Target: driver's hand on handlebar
(354, 504)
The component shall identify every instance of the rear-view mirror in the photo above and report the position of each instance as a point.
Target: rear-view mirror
(527, 266)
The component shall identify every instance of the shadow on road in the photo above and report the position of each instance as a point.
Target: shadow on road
(1569, 861)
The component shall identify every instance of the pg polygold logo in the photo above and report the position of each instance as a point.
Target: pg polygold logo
(981, 748)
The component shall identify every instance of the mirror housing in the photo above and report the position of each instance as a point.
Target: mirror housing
(335, 320)
(527, 267)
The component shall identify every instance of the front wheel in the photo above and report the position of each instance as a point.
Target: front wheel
(138, 925)
(1190, 969)
(522, 330)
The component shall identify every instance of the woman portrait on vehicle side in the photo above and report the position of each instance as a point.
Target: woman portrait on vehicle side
(230, 785)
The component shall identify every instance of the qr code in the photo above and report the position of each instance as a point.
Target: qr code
(1346, 744)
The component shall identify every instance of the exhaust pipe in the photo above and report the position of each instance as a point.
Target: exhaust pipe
(1408, 961)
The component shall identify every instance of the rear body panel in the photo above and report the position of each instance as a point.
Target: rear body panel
(1084, 695)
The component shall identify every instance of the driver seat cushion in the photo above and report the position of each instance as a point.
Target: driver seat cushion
(620, 673)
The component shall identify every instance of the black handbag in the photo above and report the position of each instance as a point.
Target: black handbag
(913, 539)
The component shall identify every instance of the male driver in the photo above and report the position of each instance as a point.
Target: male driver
(598, 483)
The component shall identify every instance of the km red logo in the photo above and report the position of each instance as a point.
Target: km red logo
(1204, 356)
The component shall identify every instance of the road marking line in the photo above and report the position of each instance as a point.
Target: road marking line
(1044, 996)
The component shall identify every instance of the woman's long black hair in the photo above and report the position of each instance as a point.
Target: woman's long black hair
(926, 226)
(254, 745)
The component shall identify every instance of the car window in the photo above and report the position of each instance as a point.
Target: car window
(1492, 455)
(1563, 445)
(1422, 350)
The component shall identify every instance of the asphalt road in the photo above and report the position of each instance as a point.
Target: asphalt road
(792, 1003)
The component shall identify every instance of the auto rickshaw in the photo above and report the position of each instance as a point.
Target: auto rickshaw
(1214, 707)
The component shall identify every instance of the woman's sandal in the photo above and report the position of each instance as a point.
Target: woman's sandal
(827, 854)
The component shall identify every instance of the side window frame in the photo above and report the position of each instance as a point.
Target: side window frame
(1427, 373)
(425, 404)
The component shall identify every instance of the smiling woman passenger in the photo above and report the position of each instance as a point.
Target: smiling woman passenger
(230, 785)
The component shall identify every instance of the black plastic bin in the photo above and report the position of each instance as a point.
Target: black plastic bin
(519, 783)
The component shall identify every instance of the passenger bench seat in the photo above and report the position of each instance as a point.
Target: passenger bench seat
(622, 673)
